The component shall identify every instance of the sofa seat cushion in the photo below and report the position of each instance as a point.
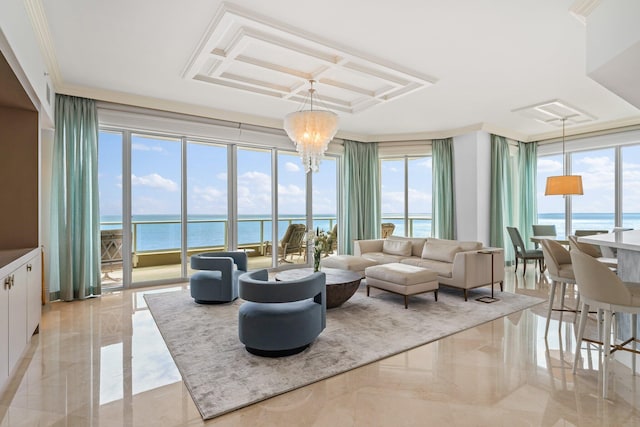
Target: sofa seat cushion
(444, 269)
(382, 258)
(347, 262)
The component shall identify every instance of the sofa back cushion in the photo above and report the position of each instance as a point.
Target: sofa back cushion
(439, 251)
(464, 246)
(416, 243)
(396, 247)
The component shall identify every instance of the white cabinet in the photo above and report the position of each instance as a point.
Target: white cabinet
(20, 305)
(34, 293)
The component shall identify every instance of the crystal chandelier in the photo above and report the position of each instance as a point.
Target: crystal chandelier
(564, 184)
(311, 130)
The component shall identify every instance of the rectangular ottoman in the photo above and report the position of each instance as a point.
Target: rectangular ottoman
(347, 262)
(402, 279)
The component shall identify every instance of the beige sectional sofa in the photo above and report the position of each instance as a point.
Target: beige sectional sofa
(457, 263)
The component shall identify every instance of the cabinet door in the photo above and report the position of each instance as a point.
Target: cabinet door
(34, 294)
(4, 332)
(17, 316)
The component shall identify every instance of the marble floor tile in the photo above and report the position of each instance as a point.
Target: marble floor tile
(102, 362)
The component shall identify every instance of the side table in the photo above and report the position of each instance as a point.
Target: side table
(490, 299)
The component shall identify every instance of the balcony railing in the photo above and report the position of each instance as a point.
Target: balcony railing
(157, 242)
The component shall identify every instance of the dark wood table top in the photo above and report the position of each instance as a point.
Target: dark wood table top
(335, 276)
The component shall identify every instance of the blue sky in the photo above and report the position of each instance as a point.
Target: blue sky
(420, 186)
(597, 168)
(156, 179)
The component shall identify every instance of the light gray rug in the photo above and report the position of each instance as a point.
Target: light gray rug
(222, 376)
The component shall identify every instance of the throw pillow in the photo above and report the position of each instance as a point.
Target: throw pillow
(397, 247)
(440, 252)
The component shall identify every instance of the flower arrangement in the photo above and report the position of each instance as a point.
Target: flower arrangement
(322, 243)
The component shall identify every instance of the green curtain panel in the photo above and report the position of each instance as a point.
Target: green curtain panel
(443, 196)
(75, 220)
(501, 211)
(361, 207)
(527, 176)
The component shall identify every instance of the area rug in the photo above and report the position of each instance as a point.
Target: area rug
(222, 376)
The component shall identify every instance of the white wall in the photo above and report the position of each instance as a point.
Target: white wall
(17, 32)
(613, 47)
(472, 168)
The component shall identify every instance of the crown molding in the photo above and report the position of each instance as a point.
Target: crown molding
(40, 25)
(213, 113)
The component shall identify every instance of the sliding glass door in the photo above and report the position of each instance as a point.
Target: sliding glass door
(207, 201)
(156, 206)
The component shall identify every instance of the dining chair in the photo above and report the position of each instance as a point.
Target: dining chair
(544, 230)
(522, 252)
(602, 289)
(593, 251)
(558, 262)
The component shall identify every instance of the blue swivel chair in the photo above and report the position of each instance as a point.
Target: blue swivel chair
(281, 318)
(217, 282)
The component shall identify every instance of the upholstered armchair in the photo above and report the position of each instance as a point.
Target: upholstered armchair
(217, 282)
(281, 318)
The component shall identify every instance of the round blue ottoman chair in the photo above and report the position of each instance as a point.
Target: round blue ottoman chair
(217, 280)
(280, 318)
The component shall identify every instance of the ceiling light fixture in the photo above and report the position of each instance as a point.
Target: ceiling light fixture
(311, 130)
(563, 185)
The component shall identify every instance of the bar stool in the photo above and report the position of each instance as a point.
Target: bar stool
(558, 262)
(602, 289)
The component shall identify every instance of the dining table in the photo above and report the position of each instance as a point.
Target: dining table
(539, 239)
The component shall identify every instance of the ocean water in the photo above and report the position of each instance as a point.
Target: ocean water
(162, 232)
(589, 221)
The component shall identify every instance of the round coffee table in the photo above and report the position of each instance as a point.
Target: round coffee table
(341, 284)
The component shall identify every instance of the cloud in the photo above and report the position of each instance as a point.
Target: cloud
(222, 176)
(291, 167)
(549, 167)
(145, 147)
(254, 193)
(154, 180)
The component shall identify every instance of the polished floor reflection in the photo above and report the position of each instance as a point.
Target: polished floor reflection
(102, 362)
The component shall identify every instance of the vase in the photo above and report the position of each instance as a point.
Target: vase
(316, 261)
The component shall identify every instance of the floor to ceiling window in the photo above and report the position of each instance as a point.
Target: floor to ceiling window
(325, 197)
(595, 210)
(168, 194)
(550, 208)
(156, 203)
(207, 202)
(601, 161)
(292, 209)
(406, 195)
(631, 187)
(111, 213)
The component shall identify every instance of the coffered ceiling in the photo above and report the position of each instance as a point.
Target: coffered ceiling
(398, 70)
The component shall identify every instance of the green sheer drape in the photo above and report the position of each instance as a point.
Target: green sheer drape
(361, 207)
(501, 208)
(443, 199)
(527, 194)
(74, 255)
